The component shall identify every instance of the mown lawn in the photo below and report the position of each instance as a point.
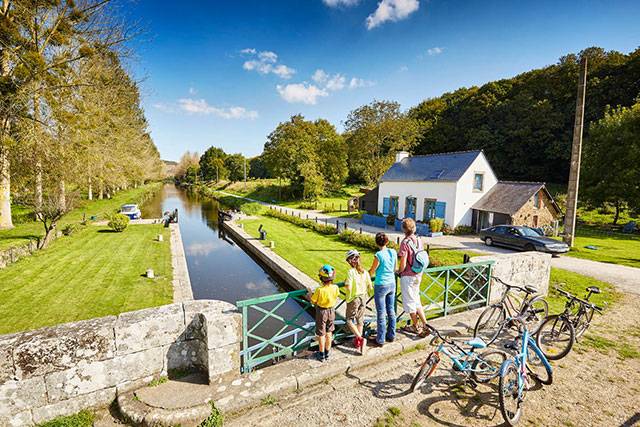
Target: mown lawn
(92, 273)
(613, 248)
(24, 231)
(267, 190)
(308, 250)
(576, 284)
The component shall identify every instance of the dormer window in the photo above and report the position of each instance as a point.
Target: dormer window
(478, 182)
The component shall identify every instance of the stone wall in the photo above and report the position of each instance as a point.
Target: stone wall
(60, 370)
(11, 255)
(546, 213)
(521, 268)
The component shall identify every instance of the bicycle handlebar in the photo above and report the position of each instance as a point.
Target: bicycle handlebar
(521, 289)
(580, 300)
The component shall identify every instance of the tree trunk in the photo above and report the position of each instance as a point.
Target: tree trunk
(5, 191)
(62, 197)
(617, 214)
(48, 236)
(38, 194)
(90, 191)
(101, 194)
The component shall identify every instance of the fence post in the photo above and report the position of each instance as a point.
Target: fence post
(428, 249)
(325, 221)
(398, 240)
(316, 220)
(345, 226)
(245, 343)
(360, 230)
(465, 259)
(446, 293)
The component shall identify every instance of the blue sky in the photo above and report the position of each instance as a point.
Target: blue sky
(226, 72)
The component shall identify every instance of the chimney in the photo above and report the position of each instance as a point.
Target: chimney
(400, 155)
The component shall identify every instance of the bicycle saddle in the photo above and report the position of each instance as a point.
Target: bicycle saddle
(593, 289)
(530, 289)
(477, 343)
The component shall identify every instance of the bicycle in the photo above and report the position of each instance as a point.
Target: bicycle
(477, 368)
(495, 317)
(515, 372)
(559, 332)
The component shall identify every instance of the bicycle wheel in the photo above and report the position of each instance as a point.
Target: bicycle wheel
(487, 365)
(490, 324)
(583, 321)
(425, 371)
(535, 312)
(536, 367)
(555, 337)
(510, 402)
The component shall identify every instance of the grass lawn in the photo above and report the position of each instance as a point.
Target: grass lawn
(24, 231)
(267, 190)
(92, 273)
(576, 284)
(614, 248)
(308, 250)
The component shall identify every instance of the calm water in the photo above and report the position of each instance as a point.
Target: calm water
(218, 268)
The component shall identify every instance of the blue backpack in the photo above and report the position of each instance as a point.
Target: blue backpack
(420, 258)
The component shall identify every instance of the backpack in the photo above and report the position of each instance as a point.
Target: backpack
(420, 258)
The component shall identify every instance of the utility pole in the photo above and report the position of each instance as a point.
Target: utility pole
(576, 154)
(245, 174)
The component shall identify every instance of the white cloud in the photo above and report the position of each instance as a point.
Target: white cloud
(391, 10)
(301, 93)
(355, 83)
(200, 106)
(336, 82)
(338, 3)
(435, 51)
(320, 76)
(192, 91)
(265, 62)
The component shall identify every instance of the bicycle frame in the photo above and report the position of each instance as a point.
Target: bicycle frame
(461, 361)
(521, 358)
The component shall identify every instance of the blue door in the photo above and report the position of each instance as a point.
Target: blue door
(385, 206)
(410, 207)
(441, 207)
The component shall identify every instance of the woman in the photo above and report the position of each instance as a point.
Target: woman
(384, 289)
(410, 280)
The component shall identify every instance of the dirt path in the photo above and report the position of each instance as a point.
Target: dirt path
(597, 384)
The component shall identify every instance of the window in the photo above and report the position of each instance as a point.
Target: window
(410, 207)
(429, 209)
(478, 181)
(536, 200)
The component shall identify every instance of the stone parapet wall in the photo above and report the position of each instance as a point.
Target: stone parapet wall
(521, 268)
(59, 370)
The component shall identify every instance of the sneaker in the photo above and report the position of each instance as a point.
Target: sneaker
(356, 342)
(319, 356)
(377, 344)
(326, 355)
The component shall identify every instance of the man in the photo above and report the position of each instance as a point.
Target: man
(410, 280)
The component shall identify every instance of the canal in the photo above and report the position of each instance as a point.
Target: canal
(218, 268)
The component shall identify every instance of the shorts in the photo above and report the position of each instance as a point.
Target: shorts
(410, 286)
(324, 320)
(355, 310)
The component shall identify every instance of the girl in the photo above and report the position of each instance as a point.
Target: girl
(384, 290)
(356, 286)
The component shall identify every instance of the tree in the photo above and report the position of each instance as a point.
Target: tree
(187, 164)
(332, 155)
(610, 172)
(235, 164)
(374, 133)
(212, 166)
(257, 168)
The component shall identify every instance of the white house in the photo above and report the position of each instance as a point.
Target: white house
(436, 186)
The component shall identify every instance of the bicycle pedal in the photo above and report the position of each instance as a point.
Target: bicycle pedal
(472, 384)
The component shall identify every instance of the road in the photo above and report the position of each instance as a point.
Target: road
(626, 279)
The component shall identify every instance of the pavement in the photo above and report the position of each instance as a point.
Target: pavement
(626, 279)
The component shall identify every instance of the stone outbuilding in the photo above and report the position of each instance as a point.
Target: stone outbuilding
(516, 203)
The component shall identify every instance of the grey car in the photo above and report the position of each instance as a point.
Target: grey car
(522, 238)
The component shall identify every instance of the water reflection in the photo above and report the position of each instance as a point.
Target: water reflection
(218, 268)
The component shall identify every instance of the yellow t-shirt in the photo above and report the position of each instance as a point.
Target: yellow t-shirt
(325, 296)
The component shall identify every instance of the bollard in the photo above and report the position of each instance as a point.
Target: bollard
(272, 244)
(345, 225)
(428, 249)
(325, 221)
(160, 238)
(398, 240)
(316, 220)
(465, 259)
(360, 230)
(150, 274)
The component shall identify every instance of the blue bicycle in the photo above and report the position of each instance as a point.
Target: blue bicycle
(476, 367)
(516, 371)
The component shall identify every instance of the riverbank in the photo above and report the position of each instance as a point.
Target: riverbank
(93, 273)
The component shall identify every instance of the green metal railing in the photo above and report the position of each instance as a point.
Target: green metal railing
(444, 290)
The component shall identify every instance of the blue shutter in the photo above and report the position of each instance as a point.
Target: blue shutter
(440, 209)
(385, 206)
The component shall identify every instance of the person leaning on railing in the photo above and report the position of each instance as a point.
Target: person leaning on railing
(356, 286)
(384, 290)
(325, 298)
(410, 279)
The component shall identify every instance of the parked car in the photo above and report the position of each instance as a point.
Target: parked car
(523, 238)
(131, 210)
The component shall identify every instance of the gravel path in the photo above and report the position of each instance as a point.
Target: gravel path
(592, 387)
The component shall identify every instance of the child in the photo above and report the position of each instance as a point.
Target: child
(384, 290)
(325, 298)
(357, 285)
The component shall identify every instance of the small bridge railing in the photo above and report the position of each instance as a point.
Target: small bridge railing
(291, 326)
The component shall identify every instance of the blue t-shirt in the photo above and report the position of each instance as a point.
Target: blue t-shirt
(385, 273)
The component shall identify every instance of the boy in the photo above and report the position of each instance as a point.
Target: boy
(325, 298)
(357, 285)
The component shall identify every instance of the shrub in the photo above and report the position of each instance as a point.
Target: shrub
(391, 219)
(81, 419)
(308, 205)
(69, 229)
(252, 208)
(215, 419)
(305, 223)
(436, 225)
(118, 222)
(463, 229)
(363, 240)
